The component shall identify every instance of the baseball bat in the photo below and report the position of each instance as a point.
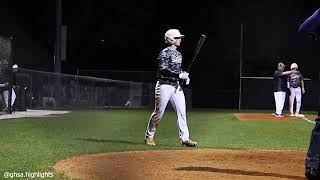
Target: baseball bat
(197, 50)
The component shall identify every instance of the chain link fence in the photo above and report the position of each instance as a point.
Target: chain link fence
(30, 89)
(46, 90)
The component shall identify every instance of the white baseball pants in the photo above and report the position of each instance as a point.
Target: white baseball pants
(279, 98)
(6, 97)
(295, 94)
(164, 93)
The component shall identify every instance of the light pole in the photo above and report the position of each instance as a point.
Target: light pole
(57, 50)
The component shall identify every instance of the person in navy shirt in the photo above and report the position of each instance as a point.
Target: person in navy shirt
(280, 87)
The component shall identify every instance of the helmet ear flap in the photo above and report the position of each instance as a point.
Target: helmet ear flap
(171, 34)
(169, 40)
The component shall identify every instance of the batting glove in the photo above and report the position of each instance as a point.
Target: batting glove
(188, 81)
(184, 75)
(303, 91)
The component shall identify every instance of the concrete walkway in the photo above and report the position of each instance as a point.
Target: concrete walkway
(31, 113)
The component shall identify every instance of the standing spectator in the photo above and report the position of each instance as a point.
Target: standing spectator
(280, 87)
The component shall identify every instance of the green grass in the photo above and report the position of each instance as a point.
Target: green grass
(36, 144)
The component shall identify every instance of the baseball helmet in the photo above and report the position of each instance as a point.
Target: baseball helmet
(294, 65)
(281, 64)
(171, 34)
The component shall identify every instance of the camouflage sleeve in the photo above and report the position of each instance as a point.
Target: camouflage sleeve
(164, 70)
(164, 59)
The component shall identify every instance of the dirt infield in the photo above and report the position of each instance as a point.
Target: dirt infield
(187, 164)
(267, 117)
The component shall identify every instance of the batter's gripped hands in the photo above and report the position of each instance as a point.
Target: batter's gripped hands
(188, 81)
(184, 75)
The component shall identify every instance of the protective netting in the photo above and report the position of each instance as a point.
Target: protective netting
(47, 90)
(144, 76)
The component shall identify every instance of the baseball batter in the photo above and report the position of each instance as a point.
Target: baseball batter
(296, 85)
(280, 87)
(168, 89)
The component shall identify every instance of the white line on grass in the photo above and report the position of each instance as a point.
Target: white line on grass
(308, 120)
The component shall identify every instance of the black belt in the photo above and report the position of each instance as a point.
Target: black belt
(173, 83)
(170, 79)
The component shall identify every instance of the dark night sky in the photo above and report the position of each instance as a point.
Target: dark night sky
(133, 35)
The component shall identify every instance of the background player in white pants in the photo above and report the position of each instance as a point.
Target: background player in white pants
(296, 85)
(5, 87)
(168, 89)
(280, 87)
(6, 97)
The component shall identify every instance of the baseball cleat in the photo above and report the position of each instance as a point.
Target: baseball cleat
(292, 115)
(149, 141)
(279, 115)
(299, 115)
(189, 143)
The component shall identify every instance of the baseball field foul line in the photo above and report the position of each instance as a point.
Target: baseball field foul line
(308, 120)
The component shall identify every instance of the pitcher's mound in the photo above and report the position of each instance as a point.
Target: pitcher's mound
(268, 117)
(187, 164)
